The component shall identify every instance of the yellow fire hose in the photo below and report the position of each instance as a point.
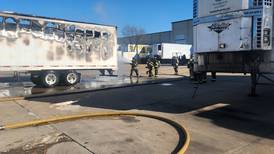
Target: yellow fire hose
(184, 137)
(7, 99)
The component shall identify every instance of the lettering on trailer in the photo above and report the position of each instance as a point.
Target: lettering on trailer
(220, 6)
(227, 16)
(219, 27)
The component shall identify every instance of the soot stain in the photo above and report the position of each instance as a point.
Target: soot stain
(50, 55)
(129, 119)
(26, 41)
(59, 52)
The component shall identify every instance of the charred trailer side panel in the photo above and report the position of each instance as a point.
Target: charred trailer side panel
(233, 36)
(33, 43)
(52, 50)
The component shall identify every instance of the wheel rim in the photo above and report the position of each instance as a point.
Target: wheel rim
(51, 79)
(72, 78)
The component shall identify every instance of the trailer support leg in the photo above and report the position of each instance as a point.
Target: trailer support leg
(253, 84)
(255, 61)
(16, 76)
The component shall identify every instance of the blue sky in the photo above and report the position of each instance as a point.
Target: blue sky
(152, 15)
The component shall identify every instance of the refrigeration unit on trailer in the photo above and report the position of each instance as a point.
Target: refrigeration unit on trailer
(52, 50)
(233, 36)
(168, 50)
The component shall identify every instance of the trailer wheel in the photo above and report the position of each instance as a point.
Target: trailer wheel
(50, 78)
(71, 78)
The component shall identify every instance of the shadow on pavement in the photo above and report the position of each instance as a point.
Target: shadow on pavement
(254, 119)
(243, 114)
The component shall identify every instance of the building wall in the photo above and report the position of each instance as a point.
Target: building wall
(153, 38)
(182, 32)
(161, 37)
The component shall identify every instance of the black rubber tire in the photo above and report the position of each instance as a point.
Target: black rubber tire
(35, 78)
(66, 82)
(45, 74)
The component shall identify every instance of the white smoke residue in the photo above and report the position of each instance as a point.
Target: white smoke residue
(123, 64)
(100, 10)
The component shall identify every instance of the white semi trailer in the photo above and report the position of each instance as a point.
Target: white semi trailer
(234, 36)
(166, 51)
(52, 50)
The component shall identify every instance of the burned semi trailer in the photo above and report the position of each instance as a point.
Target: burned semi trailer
(234, 36)
(52, 50)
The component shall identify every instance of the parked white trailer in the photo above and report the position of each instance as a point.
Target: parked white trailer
(168, 50)
(53, 49)
(234, 36)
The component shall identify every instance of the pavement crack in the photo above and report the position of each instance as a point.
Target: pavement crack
(72, 139)
(28, 110)
(51, 125)
(79, 143)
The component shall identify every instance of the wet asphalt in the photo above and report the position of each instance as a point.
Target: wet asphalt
(11, 86)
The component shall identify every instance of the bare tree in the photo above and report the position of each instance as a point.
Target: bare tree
(133, 35)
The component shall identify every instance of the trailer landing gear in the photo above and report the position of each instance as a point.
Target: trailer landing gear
(103, 72)
(254, 81)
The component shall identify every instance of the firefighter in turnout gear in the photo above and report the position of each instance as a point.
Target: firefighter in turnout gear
(156, 64)
(190, 66)
(149, 67)
(175, 64)
(134, 67)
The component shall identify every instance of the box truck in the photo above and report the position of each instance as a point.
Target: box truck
(234, 36)
(168, 50)
(52, 50)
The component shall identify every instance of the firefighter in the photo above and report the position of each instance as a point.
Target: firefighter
(203, 77)
(134, 67)
(156, 64)
(149, 67)
(190, 66)
(175, 64)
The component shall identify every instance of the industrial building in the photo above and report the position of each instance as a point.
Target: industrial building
(181, 32)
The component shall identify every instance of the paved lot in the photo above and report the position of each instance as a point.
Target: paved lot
(221, 118)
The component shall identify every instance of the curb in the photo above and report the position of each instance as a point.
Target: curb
(102, 89)
(7, 99)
